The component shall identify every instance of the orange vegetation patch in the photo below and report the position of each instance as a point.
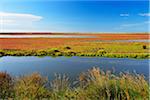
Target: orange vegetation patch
(34, 43)
(121, 36)
(43, 43)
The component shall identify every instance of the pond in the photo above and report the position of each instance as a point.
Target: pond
(72, 66)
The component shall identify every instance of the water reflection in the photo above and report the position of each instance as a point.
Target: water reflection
(73, 65)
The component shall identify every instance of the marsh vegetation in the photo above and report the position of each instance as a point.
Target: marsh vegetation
(113, 50)
(92, 84)
(103, 45)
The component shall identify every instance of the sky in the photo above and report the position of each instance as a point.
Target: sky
(74, 16)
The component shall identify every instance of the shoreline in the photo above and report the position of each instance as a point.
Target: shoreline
(20, 53)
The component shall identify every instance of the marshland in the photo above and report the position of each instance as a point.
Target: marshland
(93, 45)
(74, 50)
(75, 68)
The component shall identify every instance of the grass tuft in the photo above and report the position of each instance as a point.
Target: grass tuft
(93, 84)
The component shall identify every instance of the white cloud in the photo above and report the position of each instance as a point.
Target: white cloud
(144, 14)
(135, 24)
(18, 21)
(17, 18)
(125, 15)
(130, 25)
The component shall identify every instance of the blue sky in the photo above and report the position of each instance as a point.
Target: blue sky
(74, 16)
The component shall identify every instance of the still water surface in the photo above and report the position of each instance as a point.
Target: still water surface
(44, 36)
(71, 65)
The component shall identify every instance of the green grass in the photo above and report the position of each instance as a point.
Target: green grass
(115, 50)
(99, 53)
(93, 84)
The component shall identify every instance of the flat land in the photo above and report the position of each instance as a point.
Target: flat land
(96, 45)
(43, 43)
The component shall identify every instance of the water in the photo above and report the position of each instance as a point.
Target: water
(44, 36)
(47, 66)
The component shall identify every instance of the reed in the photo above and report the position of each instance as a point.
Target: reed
(93, 84)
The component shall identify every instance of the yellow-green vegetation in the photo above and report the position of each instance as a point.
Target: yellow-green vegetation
(101, 49)
(91, 85)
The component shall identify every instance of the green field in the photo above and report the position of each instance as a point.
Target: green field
(100, 49)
